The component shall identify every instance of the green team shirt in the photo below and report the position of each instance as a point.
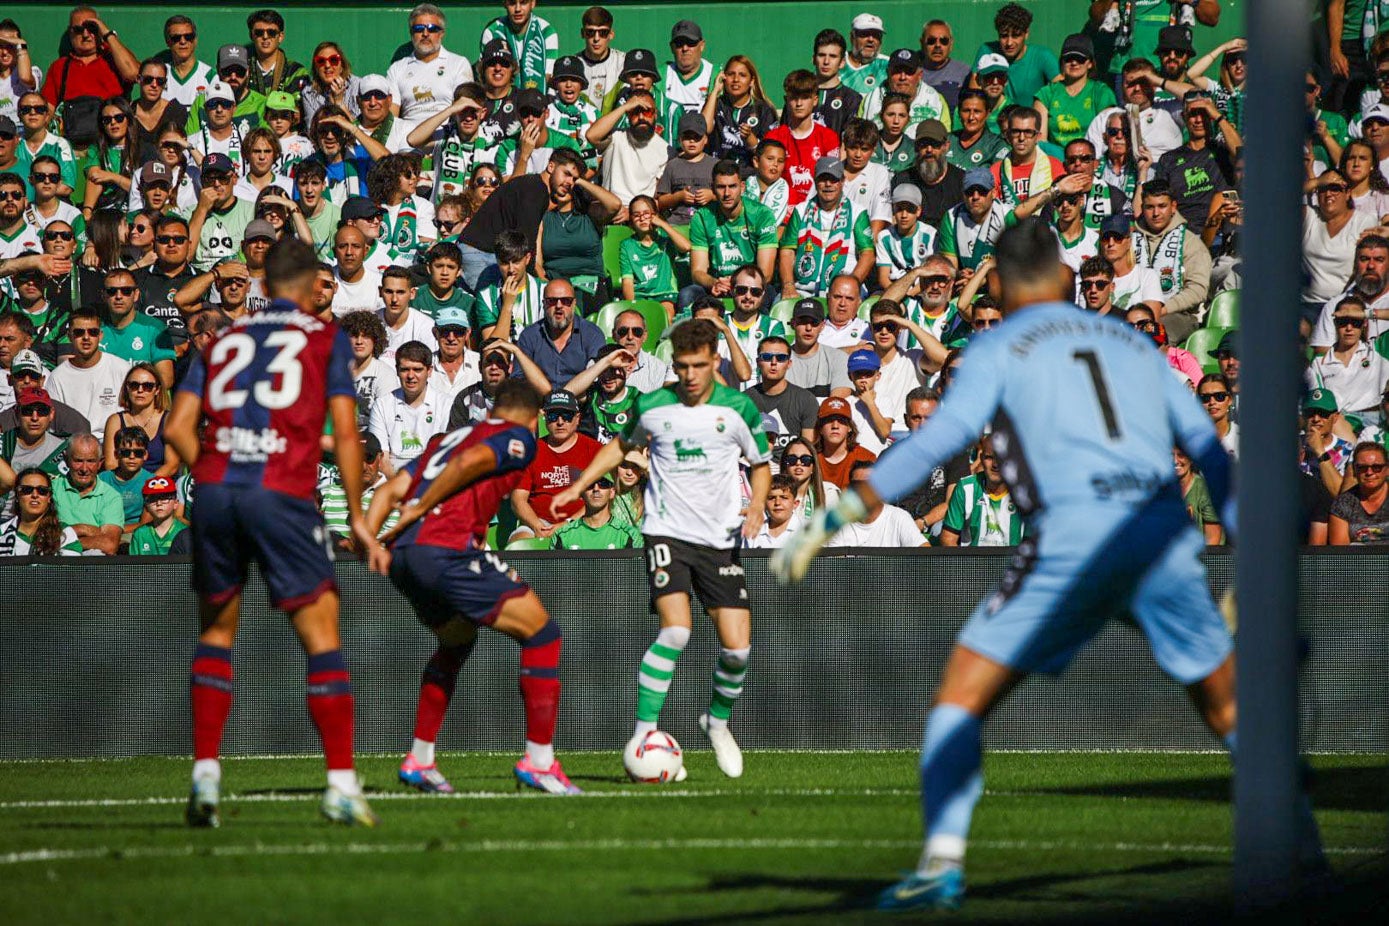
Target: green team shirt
(145, 540)
(323, 227)
(900, 253)
(864, 79)
(101, 506)
(1033, 70)
(613, 415)
(221, 235)
(535, 48)
(731, 243)
(526, 310)
(1069, 116)
(826, 242)
(896, 160)
(968, 240)
(145, 338)
(694, 492)
(760, 326)
(574, 121)
(651, 267)
(53, 147)
(507, 147)
(429, 304)
(454, 159)
(982, 520)
(989, 148)
(576, 535)
(248, 114)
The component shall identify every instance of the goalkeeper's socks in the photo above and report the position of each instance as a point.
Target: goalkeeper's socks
(436, 690)
(729, 673)
(951, 780)
(210, 691)
(539, 683)
(328, 687)
(657, 670)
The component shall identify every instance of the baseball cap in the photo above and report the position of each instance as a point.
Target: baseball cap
(232, 56)
(26, 361)
(1078, 44)
(1377, 112)
(360, 207)
(835, 407)
(451, 315)
(371, 446)
(693, 123)
(831, 166)
(159, 486)
(34, 397)
(176, 330)
(640, 61)
(1320, 400)
(259, 228)
(908, 58)
(978, 177)
(1175, 38)
(907, 193)
(932, 130)
(864, 359)
(569, 68)
(531, 100)
(561, 400)
(687, 29)
(991, 64)
(496, 50)
(866, 22)
(277, 101)
(219, 90)
(7, 126)
(1226, 345)
(373, 82)
(770, 424)
(1117, 224)
(218, 163)
(809, 307)
(154, 172)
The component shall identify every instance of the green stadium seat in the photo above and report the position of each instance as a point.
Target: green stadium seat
(1224, 311)
(529, 543)
(664, 351)
(866, 306)
(653, 312)
(1201, 343)
(613, 236)
(783, 310)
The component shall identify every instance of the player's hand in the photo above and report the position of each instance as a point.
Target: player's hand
(790, 563)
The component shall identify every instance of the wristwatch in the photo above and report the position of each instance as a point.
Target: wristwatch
(1325, 457)
(109, 33)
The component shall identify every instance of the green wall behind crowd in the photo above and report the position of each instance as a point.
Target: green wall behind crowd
(777, 34)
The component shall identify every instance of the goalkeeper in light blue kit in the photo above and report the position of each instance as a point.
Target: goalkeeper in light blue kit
(1085, 413)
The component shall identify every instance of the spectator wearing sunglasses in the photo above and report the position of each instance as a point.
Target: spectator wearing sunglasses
(792, 407)
(130, 449)
(35, 529)
(1064, 207)
(248, 105)
(90, 380)
(271, 70)
(144, 405)
(1352, 370)
(607, 408)
(559, 456)
(596, 528)
(1329, 441)
(533, 41)
(17, 235)
(38, 142)
(31, 443)
(26, 370)
(97, 64)
(1359, 516)
(160, 282)
(187, 75)
(602, 64)
(1183, 362)
(746, 320)
(1331, 229)
(649, 372)
(1134, 283)
(561, 343)
(132, 335)
(423, 82)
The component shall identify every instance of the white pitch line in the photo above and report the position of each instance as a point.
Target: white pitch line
(485, 847)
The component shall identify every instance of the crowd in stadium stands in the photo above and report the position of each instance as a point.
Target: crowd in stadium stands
(485, 207)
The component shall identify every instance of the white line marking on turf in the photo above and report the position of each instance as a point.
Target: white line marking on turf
(595, 845)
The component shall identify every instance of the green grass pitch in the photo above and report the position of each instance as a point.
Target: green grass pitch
(801, 838)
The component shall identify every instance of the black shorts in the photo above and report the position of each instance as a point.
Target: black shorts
(716, 576)
(441, 583)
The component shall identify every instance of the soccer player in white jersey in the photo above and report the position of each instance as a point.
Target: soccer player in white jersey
(1085, 414)
(697, 430)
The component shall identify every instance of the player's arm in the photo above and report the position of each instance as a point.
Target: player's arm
(181, 430)
(607, 458)
(384, 501)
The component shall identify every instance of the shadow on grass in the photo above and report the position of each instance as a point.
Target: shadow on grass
(105, 825)
(1353, 788)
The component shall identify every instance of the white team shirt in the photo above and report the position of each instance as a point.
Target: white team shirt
(186, 90)
(468, 374)
(851, 335)
(25, 239)
(765, 541)
(900, 254)
(776, 197)
(404, 430)
(690, 94)
(1140, 284)
(602, 75)
(1157, 128)
(416, 326)
(893, 527)
(95, 392)
(364, 294)
(423, 88)
(871, 192)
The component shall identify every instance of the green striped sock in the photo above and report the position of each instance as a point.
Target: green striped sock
(729, 674)
(657, 669)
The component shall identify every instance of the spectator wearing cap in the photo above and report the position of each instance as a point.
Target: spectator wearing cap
(130, 334)
(1134, 283)
(528, 152)
(571, 112)
(1173, 54)
(32, 317)
(602, 64)
(369, 217)
(1352, 370)
(1030, 67)
(561, 343)
(36, 141)
(904, 70)
(474, 403)
(837, 445)
(219, 222)
(991, 75)
(1226, 354)
(1138, 86)
(156, 535)
(248, 106)
(822, 234)
(820, 369)
(90, 379)
(597, 528)
(944, 73)
(271, 69)
(838, 101)
(686, 182)
(969, 230)
(98, 64)
(560, 455)
(216, 132)
(9, 143)
(89, 506)
(973, 143)
(455, 364)
(27, 371)
(805, 141)
(870, 424)
(533, 41)
(639, 74)
(30, 441)
(689, 76)
(332, 501)
(187, 75)
(607, 408)
(1164, 243)
(907, 241)
(865, 67)
(791, 407)
(374, 105)
(940, 182)
(1068, 106)
(404, 419)
(1132, 29)
(423, 82)
(634, 157)
(497, 70)
(154, 188)
(1199, 171)
(1327, 454)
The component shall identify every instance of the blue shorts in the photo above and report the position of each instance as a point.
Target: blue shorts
(443, 583)
(233, 525)
(1075, 574)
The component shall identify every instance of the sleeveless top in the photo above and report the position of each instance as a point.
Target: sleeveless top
(155, 457)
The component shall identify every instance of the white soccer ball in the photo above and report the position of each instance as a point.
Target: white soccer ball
(652, 758)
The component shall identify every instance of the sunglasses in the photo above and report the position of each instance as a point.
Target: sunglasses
(1074, 59)
(984, 324)
(936, 281)
(933, 41)
(1113, 236)
(643, 112)
(1080, 159)
(171, 239)
(41, 491)
(1094, 284)
(1145, 326)
(85, 332)
(496, 360)
(132, 452)
(452, 331)
(446, 225)
(140, 227)
(560, 301)
(153, 79)
(80, 28)
(232, 72)
(1114, 131)
(798, 459)
(33, 110)
(1332, 188)
(142, 385)
(597, 32)
(264, 33)
(560, 416)
(1208, 397)
(46, 178)
(120, 290)
(1343, 321)
(431, 28)
(978, 191)
(218, 104)
(58, 236)
(374, 96)
(30, 411)
(884, 326)
(769, 357)
(113, 119)
(12, 196)
(328, 60)
(741, 290)
(1369, 467)
(604, 483)
(634, 331)
(178, 38)
(486, 181)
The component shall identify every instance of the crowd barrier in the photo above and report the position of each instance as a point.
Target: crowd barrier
(94, 661)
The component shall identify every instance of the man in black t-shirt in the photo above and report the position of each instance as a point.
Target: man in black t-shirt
(160, 281)
(794, 408)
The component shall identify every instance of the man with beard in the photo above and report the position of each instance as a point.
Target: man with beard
(941, 183)
(1174, 53)
(17, 236)
(1164, 243)
(865, 69)
(248, 106)
(635, 157)
(969, 230)
(423, 82)
(1371, 283)
(561, 344)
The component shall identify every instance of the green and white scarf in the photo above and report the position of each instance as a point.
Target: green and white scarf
(1166, 258)
(992, 522)
(1376, 17)
(1040, 179)
(823, 249)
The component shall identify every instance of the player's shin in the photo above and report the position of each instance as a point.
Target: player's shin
(729, 673)
(328, 690)
(951, 782)
(657, 670)
(210, 692)
(540, 689)
(436, 690)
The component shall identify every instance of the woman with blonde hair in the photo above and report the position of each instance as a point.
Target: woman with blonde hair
(144, 405)
(737, 112)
